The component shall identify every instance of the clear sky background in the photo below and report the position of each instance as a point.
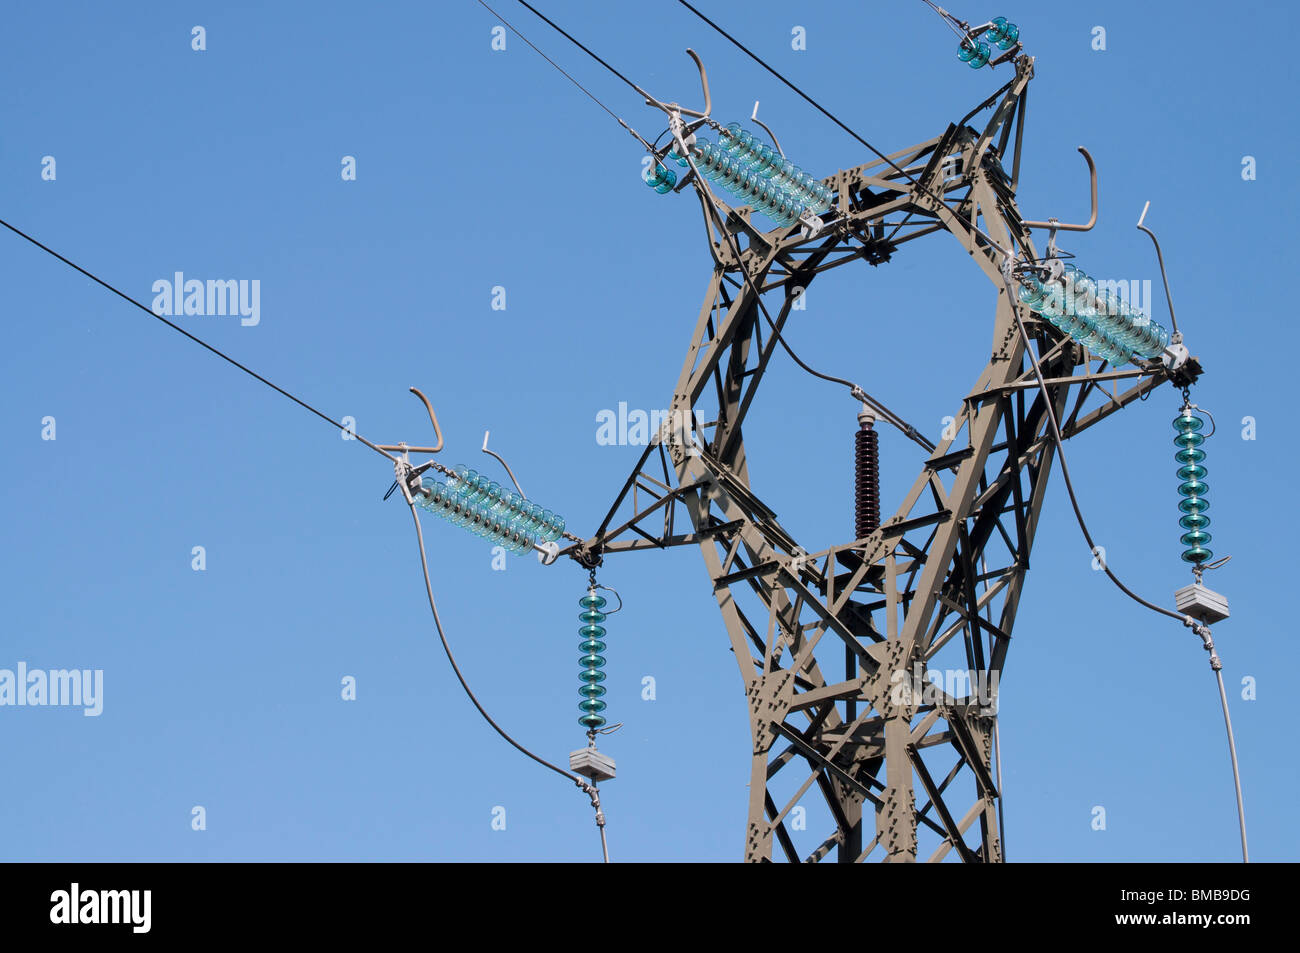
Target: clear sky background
(479, 168)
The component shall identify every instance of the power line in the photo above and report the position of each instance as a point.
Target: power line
(197, 340)
(812, 102)
(559, 29)
(592, 96)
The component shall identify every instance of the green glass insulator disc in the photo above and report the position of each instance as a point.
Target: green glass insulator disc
(591, 706)
(591, 721)
(1190, 455)
(592, 632)
(592, 602)
(1193, 488)
(1198, 554)
(1194, 505)
(1189, 440)
(591, 646)
(1196, 538)
(592, 675)
(1194, 521)
(1193, 471)
(592, 661)
(1185, 423)
(591, 691)
(591, 616)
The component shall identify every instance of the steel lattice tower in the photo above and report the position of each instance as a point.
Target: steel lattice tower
(828, 642)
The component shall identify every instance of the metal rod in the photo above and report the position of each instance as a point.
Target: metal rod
(1059, 226)
(502, 461)
(1160, 258)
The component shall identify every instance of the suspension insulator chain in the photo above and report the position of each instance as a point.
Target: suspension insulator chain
(1192, 487)
(592, 662)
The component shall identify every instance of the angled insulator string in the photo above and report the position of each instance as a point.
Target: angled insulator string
(1099, 320)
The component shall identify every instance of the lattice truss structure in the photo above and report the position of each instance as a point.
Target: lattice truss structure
(830, 642)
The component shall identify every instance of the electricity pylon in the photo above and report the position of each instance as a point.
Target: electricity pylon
(830, 643)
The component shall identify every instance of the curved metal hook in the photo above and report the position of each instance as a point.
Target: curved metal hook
(704, 81)
(1059, 226)
(437, 431)
(433, 419)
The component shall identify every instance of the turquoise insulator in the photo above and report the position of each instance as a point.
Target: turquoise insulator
(662, 179)
(1099, 320)
(458, 503)
(1193, 487)
(510, 512)
(974, 53)
(1004, 34)
(762, 177)
(591, 660)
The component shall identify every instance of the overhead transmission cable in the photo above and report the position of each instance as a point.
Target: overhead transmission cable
(592, 96)
(587, 788)
(812, 102)
(197, 340)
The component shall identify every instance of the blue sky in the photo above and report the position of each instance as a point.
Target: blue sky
(477, 169)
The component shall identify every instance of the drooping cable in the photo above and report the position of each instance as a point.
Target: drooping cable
(197, 340)
(1200, 629)
(582, 784)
